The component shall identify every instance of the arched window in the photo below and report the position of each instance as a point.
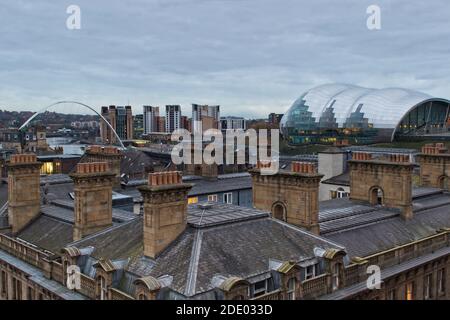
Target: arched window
(279, 212)
(340, 193)
(376, 196)
(291, 289)
(142, 296)
(444, 183)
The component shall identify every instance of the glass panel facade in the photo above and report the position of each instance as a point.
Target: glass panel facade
(334, 112)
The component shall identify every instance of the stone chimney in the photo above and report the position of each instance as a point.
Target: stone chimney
(23, 190)
(383, 181)
(112, 155)
(207, 171)
(93, 198)
(434, 166)
(291, 196)
(165, 210)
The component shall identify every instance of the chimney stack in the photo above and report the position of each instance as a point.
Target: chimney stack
(386, 182)
(435, 166)
(23, 190)
(165, 210)
(93, 183)
(291, 196)
(112, 155)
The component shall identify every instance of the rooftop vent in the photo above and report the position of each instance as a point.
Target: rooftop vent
(206, 205)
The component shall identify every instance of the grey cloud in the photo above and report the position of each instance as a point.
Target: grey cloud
(250, 56)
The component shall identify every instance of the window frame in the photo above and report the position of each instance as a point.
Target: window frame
(192, 200)
(409, 294)
(291, 291)
(262, 291)
(335, 276)
(314, 273)
(213, 197)
(441, 281)
(427, 286)
(228, 198)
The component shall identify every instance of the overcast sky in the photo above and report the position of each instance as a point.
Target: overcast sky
(250, 56)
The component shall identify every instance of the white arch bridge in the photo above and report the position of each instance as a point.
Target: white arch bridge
(26, 123)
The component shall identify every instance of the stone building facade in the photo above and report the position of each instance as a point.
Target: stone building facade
(224, 252)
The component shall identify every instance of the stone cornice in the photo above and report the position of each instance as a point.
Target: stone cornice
(31, 165)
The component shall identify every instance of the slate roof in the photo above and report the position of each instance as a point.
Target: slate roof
(228, 240)
(231, 247)
(367, 230)
(340, 180)
(48, 233)
(387, 273)
(204, 186)
(135, 162)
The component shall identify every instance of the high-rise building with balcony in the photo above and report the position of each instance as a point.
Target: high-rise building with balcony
(151, 115)
(173, 118)
(121, 120)
(209, 116)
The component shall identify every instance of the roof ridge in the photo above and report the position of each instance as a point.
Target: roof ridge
(317, 237)
(193, 264)
(114, 227)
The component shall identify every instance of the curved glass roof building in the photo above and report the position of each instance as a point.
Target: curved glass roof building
(360, 115)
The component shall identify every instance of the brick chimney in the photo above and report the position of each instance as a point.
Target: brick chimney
(112, 155)
(434, 166)
(292, 196)
(165, 210)
(384, 181)
(23, 190)
(93, 198)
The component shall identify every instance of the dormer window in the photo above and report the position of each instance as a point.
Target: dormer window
(260, 288)
(311, 271)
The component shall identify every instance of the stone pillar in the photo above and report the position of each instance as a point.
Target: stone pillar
(165, 210)
(23, 190)
(390, 178)
(112, 155)
(292, 196)
(93, 198)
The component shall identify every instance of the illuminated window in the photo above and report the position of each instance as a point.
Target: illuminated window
(192, 200)
(212, 198)
(47, 168)
(409, 291)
